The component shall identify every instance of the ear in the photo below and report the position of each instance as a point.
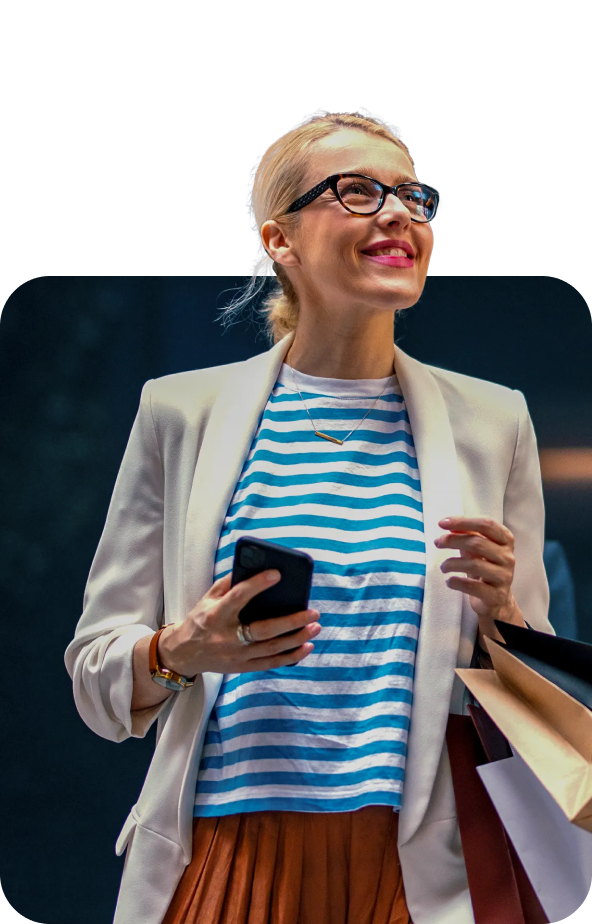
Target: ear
(279, 243)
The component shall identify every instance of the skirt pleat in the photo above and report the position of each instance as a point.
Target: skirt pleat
(293, 868)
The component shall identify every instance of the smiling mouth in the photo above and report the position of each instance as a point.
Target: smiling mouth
(387, 251)
(390, 256)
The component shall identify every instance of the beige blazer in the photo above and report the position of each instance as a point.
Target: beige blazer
(476, 453)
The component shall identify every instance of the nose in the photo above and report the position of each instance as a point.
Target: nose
(392, 204)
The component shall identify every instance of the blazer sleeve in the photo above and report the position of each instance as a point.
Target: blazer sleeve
(524, 515)
(123, 599)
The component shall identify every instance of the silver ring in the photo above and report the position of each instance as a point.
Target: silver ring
(244, 634)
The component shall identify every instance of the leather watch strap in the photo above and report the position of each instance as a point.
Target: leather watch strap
(162, 675)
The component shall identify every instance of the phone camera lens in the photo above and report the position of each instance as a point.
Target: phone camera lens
(251, 557)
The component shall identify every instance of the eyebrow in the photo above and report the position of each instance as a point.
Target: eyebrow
(403, 177)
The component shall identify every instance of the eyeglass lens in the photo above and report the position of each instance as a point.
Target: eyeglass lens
(363, 196)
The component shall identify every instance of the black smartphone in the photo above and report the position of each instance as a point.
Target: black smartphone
(290, 595)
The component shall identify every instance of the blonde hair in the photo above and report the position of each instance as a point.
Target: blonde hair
(278, 182)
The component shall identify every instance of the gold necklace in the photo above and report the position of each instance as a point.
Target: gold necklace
(325, 436)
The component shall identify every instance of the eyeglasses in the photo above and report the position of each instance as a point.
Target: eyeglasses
(363, 195)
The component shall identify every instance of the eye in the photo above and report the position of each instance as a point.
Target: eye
(357, 188)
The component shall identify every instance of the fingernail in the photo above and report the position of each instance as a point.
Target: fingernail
(445, 521)
(273, 576)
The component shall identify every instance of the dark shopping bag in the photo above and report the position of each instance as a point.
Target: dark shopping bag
(562, 661)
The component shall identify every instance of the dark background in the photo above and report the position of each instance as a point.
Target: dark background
(74, 353)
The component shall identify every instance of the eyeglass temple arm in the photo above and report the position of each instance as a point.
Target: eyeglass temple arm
(308, 197)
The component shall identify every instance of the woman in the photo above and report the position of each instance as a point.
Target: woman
(321, 791)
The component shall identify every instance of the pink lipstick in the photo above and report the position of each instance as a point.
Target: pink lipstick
(391, 260)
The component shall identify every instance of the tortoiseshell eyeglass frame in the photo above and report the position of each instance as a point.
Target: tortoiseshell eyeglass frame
(331, 183)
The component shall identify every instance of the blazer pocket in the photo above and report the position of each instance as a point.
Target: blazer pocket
(126, 832)
(153, 867)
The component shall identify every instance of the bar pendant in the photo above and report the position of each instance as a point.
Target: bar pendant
(325, 436)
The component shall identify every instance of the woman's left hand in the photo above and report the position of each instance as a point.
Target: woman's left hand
(487, 558)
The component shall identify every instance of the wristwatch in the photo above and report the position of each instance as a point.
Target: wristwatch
(161, 675)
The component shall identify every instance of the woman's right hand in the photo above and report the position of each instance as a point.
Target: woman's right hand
(207, 639)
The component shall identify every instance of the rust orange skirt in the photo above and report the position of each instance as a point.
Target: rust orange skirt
(293, 868)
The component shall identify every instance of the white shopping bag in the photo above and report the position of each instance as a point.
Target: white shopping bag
(556, 854)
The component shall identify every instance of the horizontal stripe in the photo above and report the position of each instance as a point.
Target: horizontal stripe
(312, 543)
(319, 702)
(296, 415)
(361, 457)
(281, 479)
(334, 759)
(318, 780)
(304, 803)
(323, 522)
(261, 502)
(294, 725)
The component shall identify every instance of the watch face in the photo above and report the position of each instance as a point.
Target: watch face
(168, 684)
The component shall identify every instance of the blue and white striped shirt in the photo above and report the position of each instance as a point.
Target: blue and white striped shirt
(329, 734)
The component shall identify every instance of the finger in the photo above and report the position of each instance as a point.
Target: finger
(490, 596)
(245, 590)
(487, 526)
(478, 569)
(281, 660)
(282, 625)
(474, 545)
(223, 584)
(220, 587)
(276, 645)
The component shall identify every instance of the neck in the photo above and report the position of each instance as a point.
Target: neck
(350, 352)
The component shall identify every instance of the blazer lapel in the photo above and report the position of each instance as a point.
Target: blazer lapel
(226, 443)
(233, 422)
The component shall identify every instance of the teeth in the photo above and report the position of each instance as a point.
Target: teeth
(390, 251)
